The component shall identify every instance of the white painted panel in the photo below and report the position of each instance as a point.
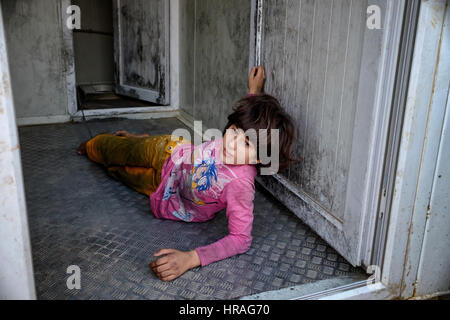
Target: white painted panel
(142, 49)
(34, 35)
(428, 253)
(434, 268)
(408, 211)
(218, 49)
(334, 76)
(312, 53)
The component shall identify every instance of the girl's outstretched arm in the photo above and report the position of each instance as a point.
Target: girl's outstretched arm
(239, 195)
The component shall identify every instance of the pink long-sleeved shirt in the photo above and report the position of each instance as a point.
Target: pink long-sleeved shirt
(195, 185)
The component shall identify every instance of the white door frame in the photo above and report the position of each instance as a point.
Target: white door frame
(406, 226)
(16, 267)
(134, 113)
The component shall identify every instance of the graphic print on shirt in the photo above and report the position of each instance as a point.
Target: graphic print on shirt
(174, 176)
(202, 176)
(182, 213)
(189, 182)
(208, 178)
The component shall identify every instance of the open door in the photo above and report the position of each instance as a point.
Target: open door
(141, 49)
(332, 65)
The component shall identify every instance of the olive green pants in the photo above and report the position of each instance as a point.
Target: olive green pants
(135, 161)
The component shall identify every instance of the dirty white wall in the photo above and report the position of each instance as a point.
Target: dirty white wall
(34, 40)
(214, 58)
(427, 125)
(186, 40)
(314, 70)
(312, 54)
(434, 269)
(94, 43)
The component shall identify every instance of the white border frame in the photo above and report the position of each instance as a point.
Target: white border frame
(382, 118)
(397, 249)
(403, 246)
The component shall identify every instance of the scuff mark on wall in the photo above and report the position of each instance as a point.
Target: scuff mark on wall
(8, 180)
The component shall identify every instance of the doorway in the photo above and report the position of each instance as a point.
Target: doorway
(110, 38)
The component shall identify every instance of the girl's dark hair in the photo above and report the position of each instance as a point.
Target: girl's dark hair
(265, 112)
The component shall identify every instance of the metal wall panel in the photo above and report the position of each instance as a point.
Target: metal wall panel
(215, 58)
(37, 60)
(333, 73)
(314, 69)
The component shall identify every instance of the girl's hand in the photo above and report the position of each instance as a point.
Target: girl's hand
(174, 263)
(256, 80)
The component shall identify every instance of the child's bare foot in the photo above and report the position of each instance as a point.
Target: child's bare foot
(82, 149)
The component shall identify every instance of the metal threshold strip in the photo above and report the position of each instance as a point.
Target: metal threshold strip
(312, 291)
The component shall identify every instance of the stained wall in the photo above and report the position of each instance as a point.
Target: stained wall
(37, 59)
(214, 53)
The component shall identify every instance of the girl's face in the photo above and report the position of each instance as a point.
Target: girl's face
(237, 149)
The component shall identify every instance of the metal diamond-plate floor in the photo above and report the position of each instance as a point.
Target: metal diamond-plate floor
(80, 216)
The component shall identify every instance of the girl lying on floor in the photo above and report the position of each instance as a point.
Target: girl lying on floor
(212, 179)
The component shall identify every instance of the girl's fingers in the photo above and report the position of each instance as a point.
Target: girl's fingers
(165, 274)
(162, 268)
(261, 72)
(169, 278)
(158, 270)
(160, 262)
(155, 264)
(256, 73)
